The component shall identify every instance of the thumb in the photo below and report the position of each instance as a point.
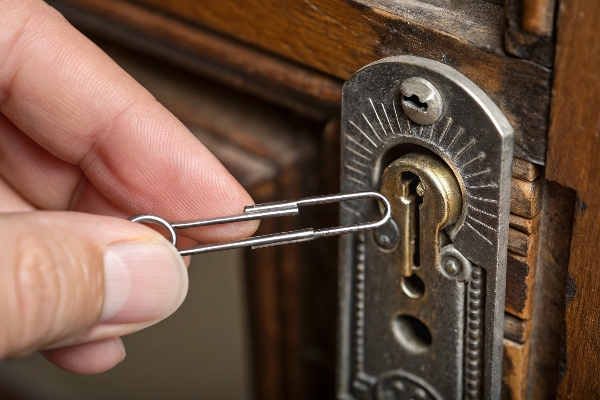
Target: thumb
(68, 278)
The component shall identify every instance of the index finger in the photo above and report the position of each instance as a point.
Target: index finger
(73, 100)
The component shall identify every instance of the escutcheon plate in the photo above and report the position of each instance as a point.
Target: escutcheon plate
(474, 139)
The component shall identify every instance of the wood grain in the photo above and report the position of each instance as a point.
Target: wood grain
(516, 329)
(526, 197)
(522, 243)
(529, 30)
(520, 279)
(538, 16)
(550, 283)
(337, 38)
(514, 370)
(524, 170)
(524, 224)
(228, 61)
(573, 162)
(534, 297)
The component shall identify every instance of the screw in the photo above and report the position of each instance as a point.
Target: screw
(451, 266)
(421, 101)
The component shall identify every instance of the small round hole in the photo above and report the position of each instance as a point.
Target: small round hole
(413, 286)
(411, 333)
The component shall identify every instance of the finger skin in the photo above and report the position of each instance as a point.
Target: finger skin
(33, 172)
(88, 358)
(10, 201)
(53, 282)
(77, 104)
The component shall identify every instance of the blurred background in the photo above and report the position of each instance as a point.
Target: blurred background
(256, 324)
(200, 352)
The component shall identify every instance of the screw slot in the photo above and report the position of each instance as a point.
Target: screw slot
(421, 101)
(414, 103)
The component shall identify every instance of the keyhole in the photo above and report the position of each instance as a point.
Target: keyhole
(412, 333)
(410, 182)
(414, 103)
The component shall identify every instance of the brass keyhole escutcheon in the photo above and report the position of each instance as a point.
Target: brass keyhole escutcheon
(425, 197)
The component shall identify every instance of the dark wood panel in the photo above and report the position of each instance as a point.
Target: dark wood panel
(338, 38)
(525, 170)
(274, 153)
(520, 275)
(548, 300)
(573, 162)
(516, 329)
(514, 370)
(524, 224)
(526, 197)
(530, 30)
(244, 67)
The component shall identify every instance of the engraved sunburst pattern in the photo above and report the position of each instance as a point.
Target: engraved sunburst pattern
(380, 127)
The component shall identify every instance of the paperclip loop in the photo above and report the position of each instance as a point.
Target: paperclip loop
(268, 210)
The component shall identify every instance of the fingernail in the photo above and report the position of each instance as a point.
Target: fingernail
(143, 281)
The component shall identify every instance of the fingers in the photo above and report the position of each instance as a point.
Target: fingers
(88, 358)
(10, 201)
(46, 181)
(72, 100)
(70, 278)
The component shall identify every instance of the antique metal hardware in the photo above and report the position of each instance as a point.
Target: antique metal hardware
(435, 184)
(423, 295)
(269, 210)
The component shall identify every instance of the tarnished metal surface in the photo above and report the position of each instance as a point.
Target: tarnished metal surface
(436, 185)
(421, 101)
(434, 331)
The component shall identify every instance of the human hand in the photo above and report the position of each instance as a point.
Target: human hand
(81, 137)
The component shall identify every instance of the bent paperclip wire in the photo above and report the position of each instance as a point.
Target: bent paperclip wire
(269, 210)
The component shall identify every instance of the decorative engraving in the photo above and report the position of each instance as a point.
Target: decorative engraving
(360, 303)
(474, 334)
(446, 129)
(459, 138)
(400, 385)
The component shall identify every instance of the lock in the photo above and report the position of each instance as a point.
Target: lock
(425, 198)
(422, 297)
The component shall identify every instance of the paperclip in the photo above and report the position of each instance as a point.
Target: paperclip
(269, 210)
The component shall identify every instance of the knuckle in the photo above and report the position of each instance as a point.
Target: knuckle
(52, 285)
(37, 295)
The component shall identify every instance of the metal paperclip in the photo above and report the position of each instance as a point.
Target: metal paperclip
(268, 210)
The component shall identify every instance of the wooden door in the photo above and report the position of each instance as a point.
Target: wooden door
(297, 53)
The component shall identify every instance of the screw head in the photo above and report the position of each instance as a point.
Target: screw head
(451, 265)
(421, 101)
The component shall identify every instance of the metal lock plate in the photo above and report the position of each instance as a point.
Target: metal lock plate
(423, 296)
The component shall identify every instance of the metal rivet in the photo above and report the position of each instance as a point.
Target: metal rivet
(421, 101)
(451, 266)
(420, 394)
(387, 236)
